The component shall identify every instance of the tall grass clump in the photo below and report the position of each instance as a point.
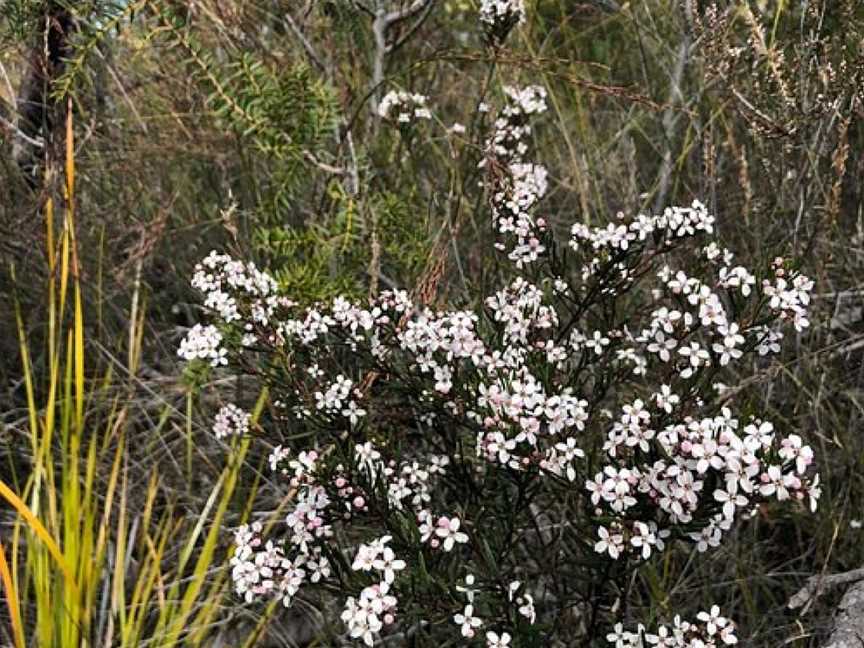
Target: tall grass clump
(99, 553)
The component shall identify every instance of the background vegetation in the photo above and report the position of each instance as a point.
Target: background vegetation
(137, 135)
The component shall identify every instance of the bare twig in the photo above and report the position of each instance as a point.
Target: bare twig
(17, 132)
(670, 118)
(309, 156)
(310, 49)
(380, 25)
(417, 25)
(401, 14)
(9, 87)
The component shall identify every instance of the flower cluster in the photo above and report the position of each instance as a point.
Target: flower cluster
(499, 17)
(511, 377)
(263, 570)
(231, 421)
(403, 107)
(469, 622)
(515, 186)
(710, 631)
(203, 343)
(235, 292)
(370, 613)
(226, 282)
(743, 465)
(375, 608)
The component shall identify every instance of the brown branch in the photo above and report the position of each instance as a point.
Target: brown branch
(817, 585)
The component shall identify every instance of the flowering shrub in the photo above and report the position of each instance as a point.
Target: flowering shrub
(480, 474)
(438, 439)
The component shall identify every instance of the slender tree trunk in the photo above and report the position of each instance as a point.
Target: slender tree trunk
(36, 110)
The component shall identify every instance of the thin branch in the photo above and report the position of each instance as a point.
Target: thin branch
(309, 156)
(816, 586)
(310, 50)
(38, 143)
(670, 118)
(380, 25)
(417, 25)
(8, 82)
(362, 7)
(401, 14)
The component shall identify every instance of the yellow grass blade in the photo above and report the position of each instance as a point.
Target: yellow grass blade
(11, 600)
(265, 619)
(37, 528)
(70, 150)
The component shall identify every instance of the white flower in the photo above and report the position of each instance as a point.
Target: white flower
(494, 640)
(730, 499)
(512, 588)
(389, 564)
(527, 608)
(468, 590)
(361, 621)
(665, 399)
(367, 458)
(353, 412)
(365, 558)
(596, 342)
(713, 621)
(448, 530)
(494, 12)
(727, 349)
(611, 543)
(468, 621)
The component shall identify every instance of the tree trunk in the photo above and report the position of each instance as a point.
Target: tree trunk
(35, 108)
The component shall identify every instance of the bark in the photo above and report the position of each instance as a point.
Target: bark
(848, 631)
(849, 620)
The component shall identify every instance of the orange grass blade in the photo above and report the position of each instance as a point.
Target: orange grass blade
(11, 600)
